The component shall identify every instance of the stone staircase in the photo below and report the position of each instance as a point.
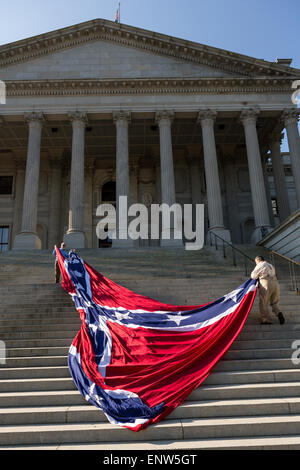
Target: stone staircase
(250, 401)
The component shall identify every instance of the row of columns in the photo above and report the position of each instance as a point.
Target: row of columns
(28, 239)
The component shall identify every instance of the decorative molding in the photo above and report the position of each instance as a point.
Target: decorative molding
(121, 115)
(66, 38)
(33, 117)
(166, 115)
(290, 116)
(207, 117)
(249, 115)
(78, 116)
(88, 87)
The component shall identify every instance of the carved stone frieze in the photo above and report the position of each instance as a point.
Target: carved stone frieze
(88, 87)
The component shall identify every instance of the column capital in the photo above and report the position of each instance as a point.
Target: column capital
(207, 117)
(34, 117)
(78, 116)
(289, 116)
(165, 115)
(249, 115)
(121, 116)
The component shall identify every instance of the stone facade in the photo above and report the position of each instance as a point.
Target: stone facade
(166, 120)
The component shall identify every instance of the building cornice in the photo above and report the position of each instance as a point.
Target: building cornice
(88, 87)
(155, 43)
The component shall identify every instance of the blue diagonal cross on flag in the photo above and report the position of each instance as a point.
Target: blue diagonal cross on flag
(137, 359)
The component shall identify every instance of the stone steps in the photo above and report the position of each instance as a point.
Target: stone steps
(233, 354)
(206, 409)
(225, 365)
(172, 430)
(44, 347)
(38, 391)
(229, 377)
(291, 442)
(263, 335)
(250, 400)
(55, 330)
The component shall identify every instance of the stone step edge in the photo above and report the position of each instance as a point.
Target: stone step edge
(186, 404)
(227, 373)
(262, 419)
(235, 351)
(202, 388)
(289, 442)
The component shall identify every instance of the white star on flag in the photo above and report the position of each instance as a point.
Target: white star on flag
(177, 318)
(121, 316)
(232, 295)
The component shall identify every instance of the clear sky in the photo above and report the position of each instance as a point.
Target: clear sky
(265, 29)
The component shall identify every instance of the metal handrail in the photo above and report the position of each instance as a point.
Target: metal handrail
(292, 264)
(285, 257)
(234, 250)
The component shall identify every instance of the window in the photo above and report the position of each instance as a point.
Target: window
(6, 185)
(274, 207)
(4, 232)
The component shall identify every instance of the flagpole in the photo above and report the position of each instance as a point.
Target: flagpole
(119, 12)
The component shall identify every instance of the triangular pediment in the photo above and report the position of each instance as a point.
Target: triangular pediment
(107, 60)
(101, 49)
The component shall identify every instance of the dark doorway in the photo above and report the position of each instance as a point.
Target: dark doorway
(108, 196)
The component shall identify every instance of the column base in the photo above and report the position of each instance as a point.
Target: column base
(259, 233)
(27, 241)
(221, 232)
(74, 240)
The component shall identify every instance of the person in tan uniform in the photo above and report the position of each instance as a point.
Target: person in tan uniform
(269, 293)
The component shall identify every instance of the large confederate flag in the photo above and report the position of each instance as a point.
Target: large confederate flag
(137, 359)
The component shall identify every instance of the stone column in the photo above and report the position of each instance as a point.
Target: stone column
(264, 162)
(279, 177)
(122, 120)
(195, 180)
(75, 238)
(258, 190)
(28, 239)
(214, 199)
(20, 162)
(55, 161)
(168, 194)
(88, 206)
(290, 119)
